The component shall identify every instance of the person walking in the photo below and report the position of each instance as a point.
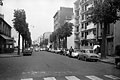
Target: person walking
(71, 50)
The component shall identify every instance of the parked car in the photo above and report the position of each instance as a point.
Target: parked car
(52, 50)
(27, 51)
(37, 49)
(75, 54)
(117, 62)
(88, 54)
(58, 51)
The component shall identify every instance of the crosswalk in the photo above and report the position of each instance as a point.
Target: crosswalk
(90, 77)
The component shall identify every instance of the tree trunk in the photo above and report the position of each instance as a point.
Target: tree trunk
(25, 44)
(65, 42)
(23, 40)
(19, 44)
(59, 44)
(103, 46)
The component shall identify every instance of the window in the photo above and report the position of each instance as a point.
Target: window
(82, 17)
(11, 46)
(82, 26)
(78, 29)
(7, 46)
(82, 34)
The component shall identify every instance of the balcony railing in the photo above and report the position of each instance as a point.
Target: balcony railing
(77, 17)
(77, 38)
(91, 36)
(77, 33)
(91, 26)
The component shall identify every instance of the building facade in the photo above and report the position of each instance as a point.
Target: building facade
(77, 24)
(87, 28)
(90, 34)
(61, 15)
(6, 42)
(60, 18)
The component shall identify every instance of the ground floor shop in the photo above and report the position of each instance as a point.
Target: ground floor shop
(6, 44)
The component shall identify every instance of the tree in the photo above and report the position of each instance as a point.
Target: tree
(19, 23)
(104, 12)
(1, 3)
(66, 32)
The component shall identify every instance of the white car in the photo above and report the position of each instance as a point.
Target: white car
(88, 54)
(75, 54)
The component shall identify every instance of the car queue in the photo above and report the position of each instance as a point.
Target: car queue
(84, 54)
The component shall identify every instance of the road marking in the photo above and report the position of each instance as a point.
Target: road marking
(27, 79)
(94, 78)
(50, 78)
(112, 77)
(71, 78)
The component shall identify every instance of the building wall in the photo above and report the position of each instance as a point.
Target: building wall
(5, 28)
(87, 29)
(117, 34)
(64, 13)
(60, 16)
(76, 24)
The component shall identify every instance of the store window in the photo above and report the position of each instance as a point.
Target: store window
(11, 46)
(7, 46)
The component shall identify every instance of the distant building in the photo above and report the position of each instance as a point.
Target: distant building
(46, 36)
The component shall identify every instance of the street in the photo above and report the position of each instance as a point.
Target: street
(49, 66)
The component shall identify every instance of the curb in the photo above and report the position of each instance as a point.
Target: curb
(8, 56)
(107, 62)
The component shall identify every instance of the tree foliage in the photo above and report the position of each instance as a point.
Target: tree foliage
(20, 24)
(106, 11)
(19, 20)
(67, 29)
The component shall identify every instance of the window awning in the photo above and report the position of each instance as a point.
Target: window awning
(6, 37)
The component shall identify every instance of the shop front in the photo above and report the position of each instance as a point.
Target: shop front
(6, 44)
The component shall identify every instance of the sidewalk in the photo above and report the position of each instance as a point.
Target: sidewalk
(109, 59)
(7, 55)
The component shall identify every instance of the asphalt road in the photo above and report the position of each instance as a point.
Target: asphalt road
(49, 66)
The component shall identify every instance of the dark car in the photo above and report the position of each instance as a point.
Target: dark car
(117, 62)
(27, 51)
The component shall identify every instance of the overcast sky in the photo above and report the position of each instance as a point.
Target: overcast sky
(39, 13)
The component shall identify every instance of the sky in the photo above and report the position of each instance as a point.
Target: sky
(39, 13)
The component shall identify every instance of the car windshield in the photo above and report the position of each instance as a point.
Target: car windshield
(87, 51)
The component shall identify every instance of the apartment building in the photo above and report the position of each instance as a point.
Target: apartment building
(60, 17)
(90, 34)
(77, 24)
(87, 28)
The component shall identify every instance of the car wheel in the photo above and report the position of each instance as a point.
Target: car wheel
(78, 57)
(96, 60)
(85, 59)
(118, 65)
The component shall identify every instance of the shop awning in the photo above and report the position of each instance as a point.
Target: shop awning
(6, 37)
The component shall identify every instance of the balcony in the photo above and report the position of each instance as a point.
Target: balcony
(82, 38)
(91, 36)
(76, 39)
(77, 17)
(85, 2)
(91, 26)
(83, 29)
(76, 33)
(76, 25)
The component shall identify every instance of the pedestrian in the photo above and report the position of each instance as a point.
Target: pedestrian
(71, 50)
